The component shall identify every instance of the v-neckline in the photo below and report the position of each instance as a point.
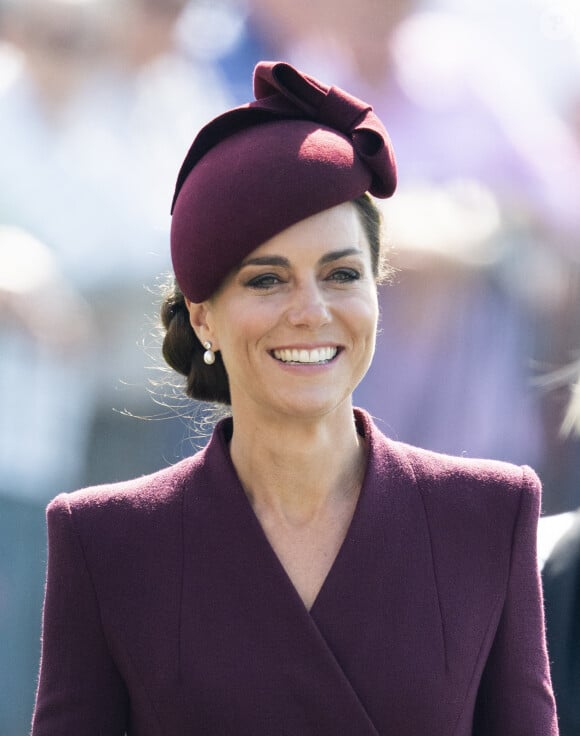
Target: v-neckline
(262, 538)
(242, 620)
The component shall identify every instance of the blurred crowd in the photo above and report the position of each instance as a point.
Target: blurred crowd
(100, 99)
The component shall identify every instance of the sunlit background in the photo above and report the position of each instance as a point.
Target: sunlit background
(480, 330)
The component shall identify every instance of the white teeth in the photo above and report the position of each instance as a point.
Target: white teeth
(318, 355)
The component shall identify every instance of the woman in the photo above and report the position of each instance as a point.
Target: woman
(302, 574)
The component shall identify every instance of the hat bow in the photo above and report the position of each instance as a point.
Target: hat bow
(281, 88)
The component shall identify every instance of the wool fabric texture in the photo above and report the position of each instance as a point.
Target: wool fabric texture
(300, 148)
(168, 612)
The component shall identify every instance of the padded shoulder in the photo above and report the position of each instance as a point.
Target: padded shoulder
(119, 523)
(467, 479)
(146, 493)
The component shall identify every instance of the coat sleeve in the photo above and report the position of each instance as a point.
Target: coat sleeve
(515, 696)
(80, 690)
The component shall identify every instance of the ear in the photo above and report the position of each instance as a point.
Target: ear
(200, 318)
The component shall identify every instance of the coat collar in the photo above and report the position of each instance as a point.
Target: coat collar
(377, 609)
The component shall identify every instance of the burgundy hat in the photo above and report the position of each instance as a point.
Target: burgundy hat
(299, 149)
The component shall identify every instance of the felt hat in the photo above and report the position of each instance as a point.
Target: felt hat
(300, 148)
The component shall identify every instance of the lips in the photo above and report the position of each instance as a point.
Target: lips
(317, 355)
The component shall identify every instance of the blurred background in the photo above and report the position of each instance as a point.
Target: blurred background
(480, 329)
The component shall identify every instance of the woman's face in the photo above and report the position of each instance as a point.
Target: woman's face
(296, 321)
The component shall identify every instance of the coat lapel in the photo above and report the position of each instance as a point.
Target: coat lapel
(378, 610)
(252, 659)
(252, 654)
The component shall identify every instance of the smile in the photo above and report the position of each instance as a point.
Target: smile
(318, 355)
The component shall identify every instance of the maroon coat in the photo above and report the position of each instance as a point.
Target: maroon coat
(168, 614)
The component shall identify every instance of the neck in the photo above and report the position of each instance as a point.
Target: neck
(297, 469)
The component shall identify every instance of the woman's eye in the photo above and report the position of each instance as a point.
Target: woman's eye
(264, 281)
(345, 274)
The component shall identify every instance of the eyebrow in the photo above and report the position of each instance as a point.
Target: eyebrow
(334, 255)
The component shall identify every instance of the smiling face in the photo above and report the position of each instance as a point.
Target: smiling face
(296, 322)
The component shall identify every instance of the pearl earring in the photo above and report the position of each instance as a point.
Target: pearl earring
(209, 355)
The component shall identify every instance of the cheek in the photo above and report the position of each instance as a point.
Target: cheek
(237, 330)
(363, 311)
(366, 322)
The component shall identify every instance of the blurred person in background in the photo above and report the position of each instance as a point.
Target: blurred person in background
(46, 379)
(45, 375)
(99, 157)
(559, 537)
(561, 577)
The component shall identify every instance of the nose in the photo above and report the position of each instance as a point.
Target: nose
(308, 306)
